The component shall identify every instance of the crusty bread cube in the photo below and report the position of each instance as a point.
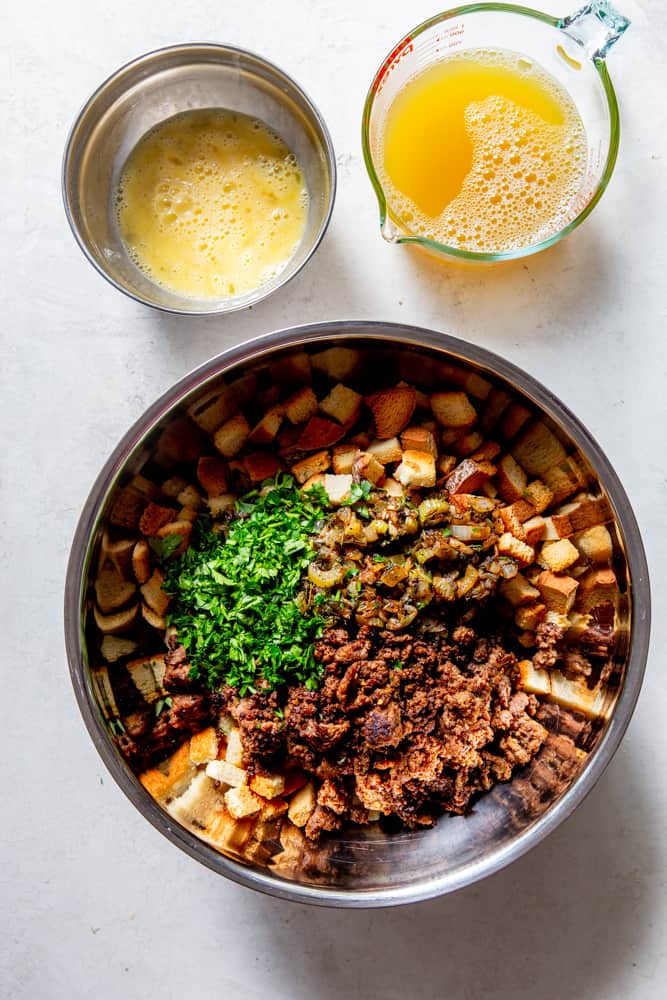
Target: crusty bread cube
(453, 409)
(204, 746)
(266, 430)
(556, 526)
(180, 527)
(117, 623)
(514, 515)
(539, 494)
(190, 497)
(417, 468)
(301, 405)
(533, 529)
(292, 369)
(524, 554)
(487, 452)
(155, 517)
(558, 592)
(342, 404)
(558, 556)
(496, 405)
(446, 464)
(529, 616)
(597, 586)
(272, 809)
(230, 438)
(393, 487)
(234, 751)
(261, 465)
(338, 363)
(153, 594)
(171, 777)
(311, 465)
(242, 802)
(226, 833)
(268, 785)
(513, 419)
(147, 674)
(112, 591)
(366, 466)
(212, 475)
(226, 773)
(343, 457)
(467, 444)
(315, 480)
(519, 591)
(468, 476)
(537, 450)
(302, 805)
(211, 411)
(319, 433)
(587, 512)
(595, 544)
(222, 504)
(337, 488)
(392, 410)
(386, 451)
(511, 479)
(114, 648)
(419, 439)
(565, 479)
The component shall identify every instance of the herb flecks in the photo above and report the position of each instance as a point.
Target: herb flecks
(235, 603)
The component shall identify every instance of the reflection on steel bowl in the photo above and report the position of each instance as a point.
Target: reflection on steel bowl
(471, 575)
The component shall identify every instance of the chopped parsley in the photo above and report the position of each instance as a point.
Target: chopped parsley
(165, 547)
(235, 604)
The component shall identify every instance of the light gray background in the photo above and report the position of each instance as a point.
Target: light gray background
(93, 902)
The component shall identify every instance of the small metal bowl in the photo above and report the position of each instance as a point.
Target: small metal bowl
(366, 866)
(149, 90)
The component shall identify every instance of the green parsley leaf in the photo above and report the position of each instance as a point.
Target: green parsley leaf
(165, 547)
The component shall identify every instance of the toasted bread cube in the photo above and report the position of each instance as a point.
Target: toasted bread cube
(577, 696)
(393, 487)
(445, 464)
(511, 479)
(222, 504)
(117, 623)
(319, 433)
(242, 802)
(419, 439)
(153, 594)
(467, 444)
(534, 529)
(171, 777)
(112, 591)
(180, 527)
(293, 369)
(539, 495)
(113, 648)
(212, 475)
(562, 480)
(272, 809)
(230, 438)
(533, 681)
(301, 405)
(361, 441)
(337, 488)
(204, 746)
(514, 516)
(302, 805)
(386, 451)
(337, 362)
(342, 404)
(588, 512)
(197, 804)
(486, 452)
(537, 450)
(477, 386)
(528, 617)
(155, 620)
(496, 405)
(311, 465)
(366, 466)
(417, 468)
(147, 674)
(519, 591)
(343, 457)
(453, 409)
(556, 526)
(392, 410)
(595, 544)
(155, 517)
(261, 465)
(266, 430)
(597, 586)
(212, 410)
(558, 556)
(268, 785)
(315, 480)
(226, 773)
(513, 419)
(449, 436)
(558, 592)
(524, 554)
(234, 752)
(468, 476)
(190, 497)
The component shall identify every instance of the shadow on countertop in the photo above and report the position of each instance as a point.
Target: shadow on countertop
(565, 920)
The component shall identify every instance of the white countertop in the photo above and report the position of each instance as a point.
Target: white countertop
(95, 903)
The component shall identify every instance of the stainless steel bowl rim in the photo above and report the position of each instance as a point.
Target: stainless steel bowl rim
(399, 334)
(192, 48)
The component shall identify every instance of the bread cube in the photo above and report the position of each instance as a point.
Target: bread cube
(230, 438)
(204, 746)
(558, 592)
(366, 466)
(453, 409)
(519, 591)
(342, 404)
(302, 805)
(311, 465)
(417, 468)
(337, 488)
(419, 439)
(343, 457)
(301, 405)
(241, 802)
(320, 433)
(538, 450)
(386, 451)
(392, 410)
(212, 475)
(468, 476)
(595, 544)
(558, 556)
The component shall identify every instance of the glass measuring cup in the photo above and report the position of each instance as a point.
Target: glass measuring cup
(572, 49)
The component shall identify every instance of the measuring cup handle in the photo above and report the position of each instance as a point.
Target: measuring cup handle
(596, 27)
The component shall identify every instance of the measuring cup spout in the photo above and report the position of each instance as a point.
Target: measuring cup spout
(596, 27)
(390, 231)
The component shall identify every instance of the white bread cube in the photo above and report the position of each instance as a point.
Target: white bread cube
(508, 545)
(519, 591)
(386, 451)
(197, 803)
(302, 805)
(337, 488)
(230, 438)
(242, 802)
(226, 773)
(343, 457)
(453, 409)
(417, 468)
(393, 487)
(234, 752)
(558, 556)
(595, 544)
(342, 404)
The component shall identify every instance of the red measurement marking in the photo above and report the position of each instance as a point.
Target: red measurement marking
(392, 60)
